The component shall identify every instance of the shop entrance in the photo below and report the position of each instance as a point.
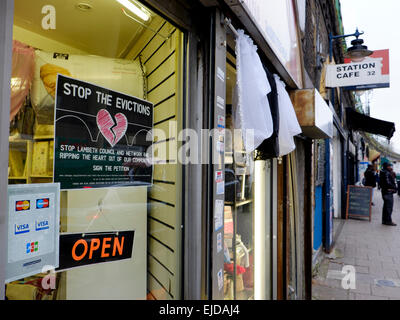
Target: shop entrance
(247, 247)
(120, 50)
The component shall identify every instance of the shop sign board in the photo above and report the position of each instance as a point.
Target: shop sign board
(102, 137)
(77, 249)
(370, 73)
(33, 229)
(277, 22)
(314, 114)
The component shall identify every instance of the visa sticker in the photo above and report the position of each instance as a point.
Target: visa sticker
(42, 225)
(21, 228)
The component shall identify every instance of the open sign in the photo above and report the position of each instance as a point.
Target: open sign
(78, 249)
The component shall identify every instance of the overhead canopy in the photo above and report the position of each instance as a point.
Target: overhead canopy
(361, 122)
(377, 149)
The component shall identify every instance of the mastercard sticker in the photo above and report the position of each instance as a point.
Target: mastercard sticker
(22, 205)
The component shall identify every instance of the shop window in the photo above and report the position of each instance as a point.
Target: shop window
(137, 56)
(250, 212)
(239, 203)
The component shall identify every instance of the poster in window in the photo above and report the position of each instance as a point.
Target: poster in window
(102, 137)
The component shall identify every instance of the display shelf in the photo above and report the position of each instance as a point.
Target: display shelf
(48, 137)
(41, 177)
(228, 157)
(243, 203)
(20, 158)
(18, 141)
(18, 138)
(238, 203)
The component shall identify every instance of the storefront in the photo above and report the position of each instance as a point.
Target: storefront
(266, 249)
(99, 110)
(90, 99)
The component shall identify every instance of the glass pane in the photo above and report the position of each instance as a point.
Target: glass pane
(239, 208)
(89, 83)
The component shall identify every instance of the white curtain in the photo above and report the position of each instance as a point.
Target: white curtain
(252, 88)
(288, 123)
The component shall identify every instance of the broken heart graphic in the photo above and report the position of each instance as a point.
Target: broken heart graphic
(113, 131)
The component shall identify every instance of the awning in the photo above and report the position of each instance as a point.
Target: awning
(374, 156)
(360, 122)
(377, 149)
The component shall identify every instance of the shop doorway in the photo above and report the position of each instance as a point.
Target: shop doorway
(250, 243)
(132, 51)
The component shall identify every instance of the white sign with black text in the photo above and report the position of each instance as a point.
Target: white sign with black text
(352, 74)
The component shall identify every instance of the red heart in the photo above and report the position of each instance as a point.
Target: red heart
(113, 131)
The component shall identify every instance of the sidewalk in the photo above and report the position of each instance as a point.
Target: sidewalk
(374, 251)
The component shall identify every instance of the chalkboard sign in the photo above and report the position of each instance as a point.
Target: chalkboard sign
(359, 202)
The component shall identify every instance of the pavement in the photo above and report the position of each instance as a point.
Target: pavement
(365, 262)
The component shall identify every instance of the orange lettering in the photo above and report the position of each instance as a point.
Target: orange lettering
(118, 244)
(105, 245)
(94, 245)
(74, 256)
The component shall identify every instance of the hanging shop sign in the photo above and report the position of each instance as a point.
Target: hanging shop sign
(102, 137)
(370, 73)
(313, 113)
(33, 229)
(77, 250)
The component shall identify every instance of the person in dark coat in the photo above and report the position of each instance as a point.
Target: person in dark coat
(377, 180)
(388, 188)
(370, 179)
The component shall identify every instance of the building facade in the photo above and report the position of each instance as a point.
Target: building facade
(206, 219)
(335, 159)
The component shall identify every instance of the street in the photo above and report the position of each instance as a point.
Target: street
(373, 249)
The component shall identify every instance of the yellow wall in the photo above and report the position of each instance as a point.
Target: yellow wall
(37, 41)
(163, 62)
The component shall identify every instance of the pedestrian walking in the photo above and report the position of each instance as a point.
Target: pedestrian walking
(370, 180)
(388, 187)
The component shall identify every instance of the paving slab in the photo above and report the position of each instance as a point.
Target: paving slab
(369, 297)
(374, 251)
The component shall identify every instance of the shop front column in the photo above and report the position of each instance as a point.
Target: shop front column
(6, 21)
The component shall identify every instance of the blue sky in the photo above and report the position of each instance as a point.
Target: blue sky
(381, 23)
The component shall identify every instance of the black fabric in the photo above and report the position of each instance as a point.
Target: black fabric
(231, 184)
(387, 182)
(370, 179)
(362, 144)
(387, 208)
(361, 122)
(269, 149)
